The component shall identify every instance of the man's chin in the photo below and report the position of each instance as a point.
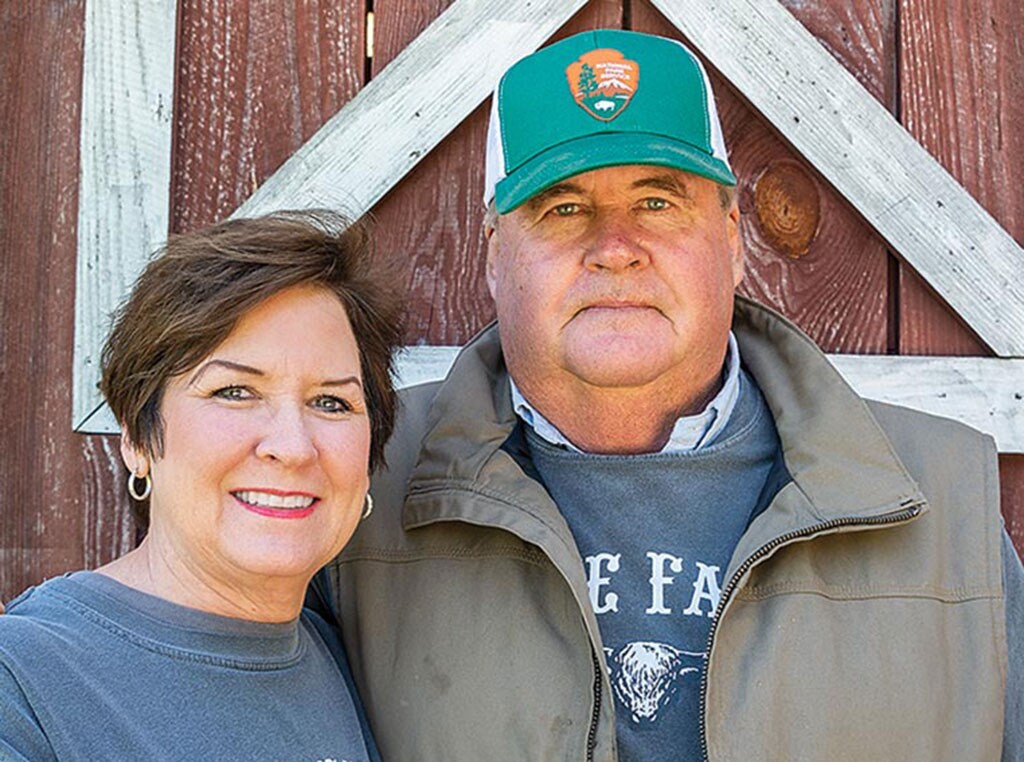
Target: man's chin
(619, 364)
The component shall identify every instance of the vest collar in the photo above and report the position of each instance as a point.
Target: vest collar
(841, 462)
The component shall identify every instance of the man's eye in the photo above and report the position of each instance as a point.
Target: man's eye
(234, 393)
(567, 209)
(328, 403)
(655, 204)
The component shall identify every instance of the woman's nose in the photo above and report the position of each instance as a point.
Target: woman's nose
(286, 437)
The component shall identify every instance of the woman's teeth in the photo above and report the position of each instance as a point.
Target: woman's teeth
(267, 500)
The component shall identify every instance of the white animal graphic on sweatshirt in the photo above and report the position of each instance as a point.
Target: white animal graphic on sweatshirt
(646, 675)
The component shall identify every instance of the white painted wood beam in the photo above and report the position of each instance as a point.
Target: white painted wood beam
(125, 149)
(901, 191)
(410, 107)
(983, 392)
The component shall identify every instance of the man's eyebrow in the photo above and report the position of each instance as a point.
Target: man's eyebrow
(555, 190)
(229, 365)
(665, 182)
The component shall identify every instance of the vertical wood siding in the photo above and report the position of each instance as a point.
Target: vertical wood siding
(961, 73)
(61, 504)
(256, 78)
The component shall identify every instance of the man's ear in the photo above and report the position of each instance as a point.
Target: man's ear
(735, 243)
(491, 234)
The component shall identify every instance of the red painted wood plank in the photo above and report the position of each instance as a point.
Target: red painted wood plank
(808, 254)
(58, 509)
(432, 220)
(961, 65)
(255, 80)
(1011, 481)
(961, 70)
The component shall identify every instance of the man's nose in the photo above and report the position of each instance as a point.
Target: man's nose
(616, 245)
(286, 437)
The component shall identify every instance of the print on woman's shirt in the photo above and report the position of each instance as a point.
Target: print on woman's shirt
(646, 674)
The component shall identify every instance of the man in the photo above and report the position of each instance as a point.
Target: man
(636, 523)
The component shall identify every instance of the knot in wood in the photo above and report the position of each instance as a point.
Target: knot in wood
(788, 208)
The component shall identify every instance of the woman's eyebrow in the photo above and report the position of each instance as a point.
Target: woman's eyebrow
(249, 370)
(347, 381)
(229, 365)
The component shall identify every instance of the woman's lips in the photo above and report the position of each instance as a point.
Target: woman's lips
(276, 503)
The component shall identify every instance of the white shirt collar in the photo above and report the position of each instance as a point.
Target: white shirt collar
(691, 432)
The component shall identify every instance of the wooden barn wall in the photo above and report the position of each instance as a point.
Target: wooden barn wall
(256, 78)
(61, 498)
(961, 74)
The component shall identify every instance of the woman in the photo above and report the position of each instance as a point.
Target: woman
(250, 373)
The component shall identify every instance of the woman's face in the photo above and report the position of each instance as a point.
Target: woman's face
(266, 445)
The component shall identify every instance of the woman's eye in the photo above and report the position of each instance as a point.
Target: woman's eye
(331, 404)
(234, 393)
(655, 204)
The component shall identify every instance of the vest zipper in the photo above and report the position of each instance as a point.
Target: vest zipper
(912, 509)
(592, 733)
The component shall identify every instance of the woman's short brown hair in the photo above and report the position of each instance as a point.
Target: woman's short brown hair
(196, 288)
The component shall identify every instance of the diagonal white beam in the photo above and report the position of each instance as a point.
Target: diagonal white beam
(904, 193)
(421, 96)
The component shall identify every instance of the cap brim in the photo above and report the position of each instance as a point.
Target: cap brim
(604, 150)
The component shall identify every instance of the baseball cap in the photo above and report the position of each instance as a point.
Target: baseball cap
(600, 99)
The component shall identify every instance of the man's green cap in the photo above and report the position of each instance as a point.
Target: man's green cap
(601, 99)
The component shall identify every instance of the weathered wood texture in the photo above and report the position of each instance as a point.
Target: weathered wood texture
(424, 93)
(256, 79)
(809, 255)
(960, 63)
(852, 139)
(61, 505)
(126, 118)
(961, 73)
(432, 219)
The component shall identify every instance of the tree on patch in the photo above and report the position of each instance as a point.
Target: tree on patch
(587, 82)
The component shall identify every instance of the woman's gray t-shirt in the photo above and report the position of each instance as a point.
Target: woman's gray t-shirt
(91, 670)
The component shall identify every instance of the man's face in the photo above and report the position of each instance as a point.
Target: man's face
(617, 278)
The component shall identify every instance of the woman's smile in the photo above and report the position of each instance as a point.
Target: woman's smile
(277, 504)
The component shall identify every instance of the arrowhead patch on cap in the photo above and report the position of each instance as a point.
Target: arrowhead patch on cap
(603, 82)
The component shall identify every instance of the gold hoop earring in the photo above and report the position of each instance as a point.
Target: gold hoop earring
(369, 506)
(147, 488)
